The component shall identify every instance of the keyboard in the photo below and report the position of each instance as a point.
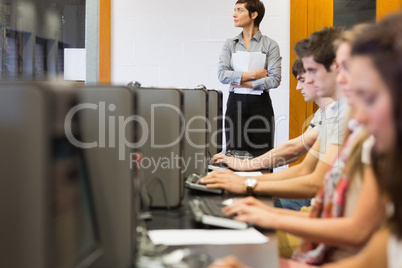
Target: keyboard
(217, 166)
(245, 155)
(208, 211)
(193, 182)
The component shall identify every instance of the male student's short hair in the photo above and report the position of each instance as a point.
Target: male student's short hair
(298, 68)
(320, 45)
(254, 6)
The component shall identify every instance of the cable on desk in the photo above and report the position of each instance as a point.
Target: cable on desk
(146, 198)
(139, 189)
(163, 190)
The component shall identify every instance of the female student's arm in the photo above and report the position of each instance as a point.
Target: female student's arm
(373, 255)
(344, 231)
(253, 202)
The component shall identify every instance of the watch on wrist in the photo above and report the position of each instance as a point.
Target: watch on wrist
(250, 185)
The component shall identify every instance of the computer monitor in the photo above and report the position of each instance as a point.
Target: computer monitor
(48, 217)
(160, 128)
(107, 124)
(215, 107)
(195, 151)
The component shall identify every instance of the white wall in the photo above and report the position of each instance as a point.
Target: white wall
(177, 43)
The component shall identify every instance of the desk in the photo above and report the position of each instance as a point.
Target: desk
(256, 256)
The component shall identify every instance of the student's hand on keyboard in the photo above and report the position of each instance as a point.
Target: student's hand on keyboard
(227, 180)
(247, 201)
(252, 211)
(228, 262)
(230, 161)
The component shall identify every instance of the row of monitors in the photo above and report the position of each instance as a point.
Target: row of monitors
(69, 193)
(179, 131)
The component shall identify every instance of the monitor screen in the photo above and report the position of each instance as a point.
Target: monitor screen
(111, 171)
(46, 204)
(72, 218)
(72, 212)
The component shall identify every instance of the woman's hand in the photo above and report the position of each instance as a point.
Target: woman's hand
(248, 201)
(252, 210)
(227, 180)
(232, 162)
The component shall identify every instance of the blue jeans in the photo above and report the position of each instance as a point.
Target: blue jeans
(293, 204)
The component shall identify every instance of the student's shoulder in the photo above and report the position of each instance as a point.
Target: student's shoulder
(317, 116)
(337, 109)
(319, 111)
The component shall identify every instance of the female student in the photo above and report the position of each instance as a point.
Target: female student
(376, 73)
(348, 203)
(251, 64)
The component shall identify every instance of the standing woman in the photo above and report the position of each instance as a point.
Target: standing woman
(249, 118)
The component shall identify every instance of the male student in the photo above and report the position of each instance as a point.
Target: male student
(303, 180)
(289, 151)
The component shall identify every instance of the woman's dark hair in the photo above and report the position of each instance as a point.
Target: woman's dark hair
(383, 46)
(254, 6)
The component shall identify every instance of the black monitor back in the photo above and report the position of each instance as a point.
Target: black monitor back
(215, 118)
(195, 151)
(48, 219)
(106, 122)
(160, 127)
